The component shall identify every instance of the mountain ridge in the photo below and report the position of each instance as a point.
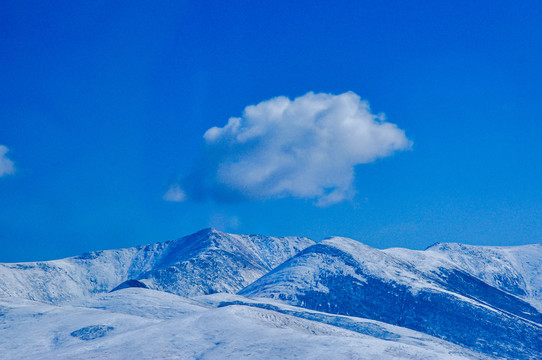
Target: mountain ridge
(161, 266)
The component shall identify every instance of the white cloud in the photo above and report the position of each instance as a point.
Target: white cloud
(6, 165)
(175, 194)
(305, 148)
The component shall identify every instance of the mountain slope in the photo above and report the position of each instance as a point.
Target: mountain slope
(514, 269)
(145, 324)
(343, 276)
(205, 262)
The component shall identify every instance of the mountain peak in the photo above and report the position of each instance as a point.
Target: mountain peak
(206, 232)
(341, 241)
(207, 261)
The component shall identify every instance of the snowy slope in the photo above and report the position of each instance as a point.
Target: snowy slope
(205, 262)
(343, 276)
(514, 269)
(165, 326)
(212, 261)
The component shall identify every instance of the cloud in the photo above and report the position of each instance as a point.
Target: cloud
(175, 194)
(304, 148)
(6, 165)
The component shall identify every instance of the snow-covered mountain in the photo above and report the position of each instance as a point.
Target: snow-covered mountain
(206, 262)
(514, 269)
(295, 298)
(427, 293)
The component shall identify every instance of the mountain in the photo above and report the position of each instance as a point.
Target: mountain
(423, 292)
(213, 295)
(206, 262)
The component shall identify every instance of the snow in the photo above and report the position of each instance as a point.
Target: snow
(514, 269)
(114, 330)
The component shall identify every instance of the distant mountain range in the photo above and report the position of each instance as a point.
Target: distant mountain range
(456, 301)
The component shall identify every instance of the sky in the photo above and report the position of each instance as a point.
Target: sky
(398, 124)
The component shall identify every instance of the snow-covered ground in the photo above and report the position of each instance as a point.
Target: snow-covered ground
(140, 323)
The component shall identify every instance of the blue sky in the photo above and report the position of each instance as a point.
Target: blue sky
(103, 107)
